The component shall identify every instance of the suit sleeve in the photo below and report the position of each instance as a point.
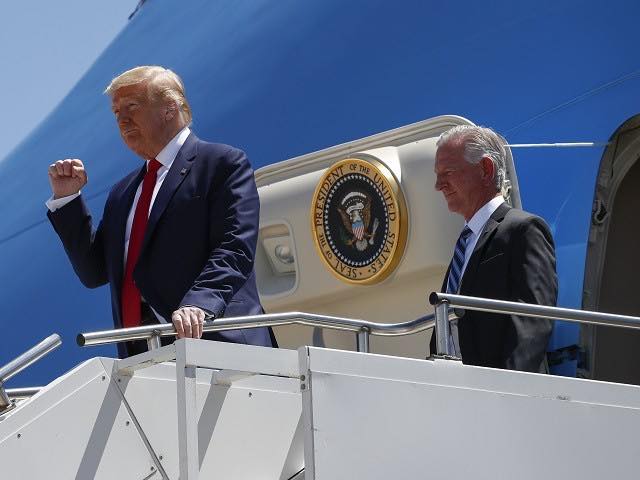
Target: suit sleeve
(83, 245)
(235, 215)
(533, 280)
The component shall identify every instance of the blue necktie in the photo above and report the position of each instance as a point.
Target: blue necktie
(457, 262)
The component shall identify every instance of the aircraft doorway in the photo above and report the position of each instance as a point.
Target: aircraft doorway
(613, 260)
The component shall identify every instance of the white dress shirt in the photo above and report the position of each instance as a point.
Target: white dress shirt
(166, 157)
(476, 225)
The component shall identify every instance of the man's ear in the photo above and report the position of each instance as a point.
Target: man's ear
(488, 170)
(170, 111)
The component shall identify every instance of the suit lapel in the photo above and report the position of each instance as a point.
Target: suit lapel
(487, 232)
(176, 175)
(121, 208)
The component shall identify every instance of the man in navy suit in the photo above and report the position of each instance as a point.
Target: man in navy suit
(177, 238)
(503, 253)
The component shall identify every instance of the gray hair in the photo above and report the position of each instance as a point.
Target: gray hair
(163, 83)
(480, 142)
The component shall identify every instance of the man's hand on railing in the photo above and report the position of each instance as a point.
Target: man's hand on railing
(188, 322)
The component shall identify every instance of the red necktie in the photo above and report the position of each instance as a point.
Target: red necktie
(130, 294)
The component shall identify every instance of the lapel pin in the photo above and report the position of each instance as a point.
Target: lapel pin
(183, 171)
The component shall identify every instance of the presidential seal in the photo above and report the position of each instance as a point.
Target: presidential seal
(359, 220)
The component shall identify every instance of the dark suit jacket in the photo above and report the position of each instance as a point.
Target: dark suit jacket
(199, 245)
(513, 260)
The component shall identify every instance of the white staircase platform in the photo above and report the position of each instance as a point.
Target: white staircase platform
(242, 412)
(379, 417)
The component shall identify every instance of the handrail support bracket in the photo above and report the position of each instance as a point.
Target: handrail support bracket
(443, 329)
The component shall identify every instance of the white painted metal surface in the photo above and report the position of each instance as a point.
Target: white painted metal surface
(261, 424)
(244, 429)
(259, 413)
(107, 419)
(375, 417)
(77, 427)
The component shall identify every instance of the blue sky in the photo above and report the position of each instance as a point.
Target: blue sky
(45, 47)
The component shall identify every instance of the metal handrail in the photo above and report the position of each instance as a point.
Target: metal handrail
(538, 311)
(362, 328)
(446, 305)
(22, 392)
(29, 357)
(23, 361)
(444, 301)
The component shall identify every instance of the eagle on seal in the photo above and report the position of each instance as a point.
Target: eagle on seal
(355, 211)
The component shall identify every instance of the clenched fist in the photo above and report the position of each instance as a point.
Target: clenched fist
(67, 177)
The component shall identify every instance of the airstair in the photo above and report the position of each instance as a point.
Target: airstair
(206, 410)
(199, 409)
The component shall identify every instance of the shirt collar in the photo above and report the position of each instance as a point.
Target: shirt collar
(168, 154)
(480, 218)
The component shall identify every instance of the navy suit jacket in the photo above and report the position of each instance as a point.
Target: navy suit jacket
(514, 259)
(199, 244)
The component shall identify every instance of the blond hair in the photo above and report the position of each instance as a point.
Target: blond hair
(163, 84)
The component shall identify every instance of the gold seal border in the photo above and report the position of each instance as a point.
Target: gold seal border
(398, 196)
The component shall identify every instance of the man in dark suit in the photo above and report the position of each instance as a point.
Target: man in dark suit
(177, 238)
(503, 253)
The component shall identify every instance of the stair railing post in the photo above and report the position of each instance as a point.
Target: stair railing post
(443, 329)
